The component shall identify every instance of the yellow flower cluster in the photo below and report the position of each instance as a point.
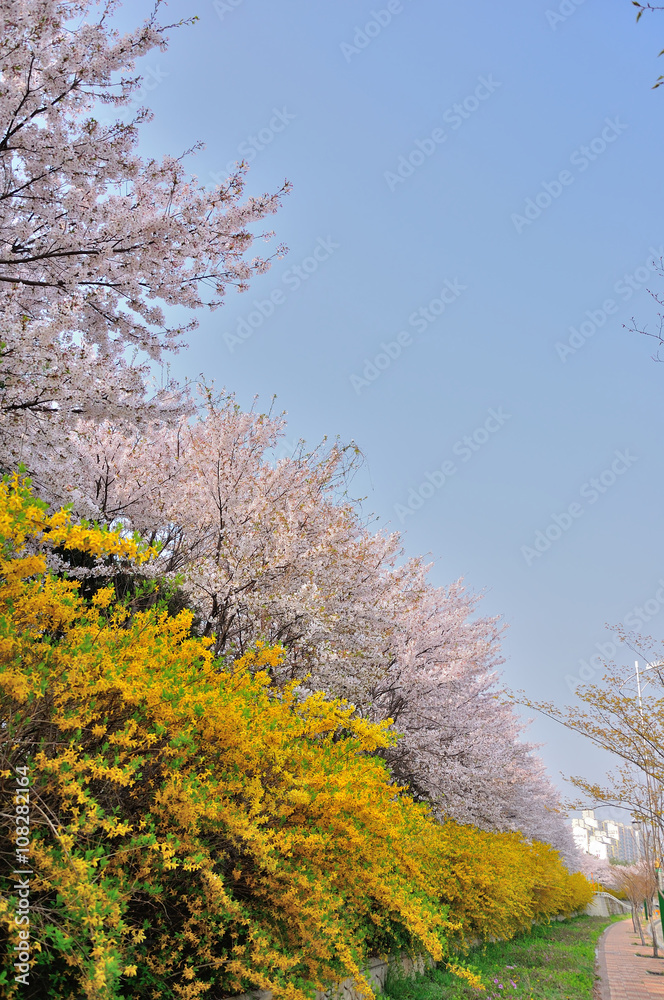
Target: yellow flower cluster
(23, 518)
(196, 830)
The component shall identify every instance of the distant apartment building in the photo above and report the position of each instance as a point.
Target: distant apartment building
(606, 839)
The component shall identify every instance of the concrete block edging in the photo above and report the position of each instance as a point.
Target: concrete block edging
(376, 972)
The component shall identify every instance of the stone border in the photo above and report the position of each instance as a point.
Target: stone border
(376, 973)
(601, 987)
(377, 970)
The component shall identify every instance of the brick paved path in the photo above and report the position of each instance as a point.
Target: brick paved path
(624, 975)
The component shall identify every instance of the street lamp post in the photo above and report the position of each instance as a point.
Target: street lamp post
(636, 919)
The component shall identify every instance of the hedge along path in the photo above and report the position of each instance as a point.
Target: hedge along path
(197, 828)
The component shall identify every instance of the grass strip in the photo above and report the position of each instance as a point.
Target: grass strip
(554, 961)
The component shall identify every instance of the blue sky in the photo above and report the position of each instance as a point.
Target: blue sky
(419, 308)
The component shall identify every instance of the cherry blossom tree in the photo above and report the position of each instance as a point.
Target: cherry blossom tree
(96, 243)
(94, 239)
(274, 549)
(638, 883)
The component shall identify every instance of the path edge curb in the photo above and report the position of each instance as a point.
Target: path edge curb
(600, 964)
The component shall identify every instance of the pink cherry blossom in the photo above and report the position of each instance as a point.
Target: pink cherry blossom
(97, 244)
(95, 240)
(274, 550)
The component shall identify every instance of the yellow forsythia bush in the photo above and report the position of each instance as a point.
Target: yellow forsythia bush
(194, 831)
(496, 884)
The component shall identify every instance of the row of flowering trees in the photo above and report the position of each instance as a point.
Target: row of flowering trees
(267, 549)
(254, 587)
(94, 242)
(195, 828)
